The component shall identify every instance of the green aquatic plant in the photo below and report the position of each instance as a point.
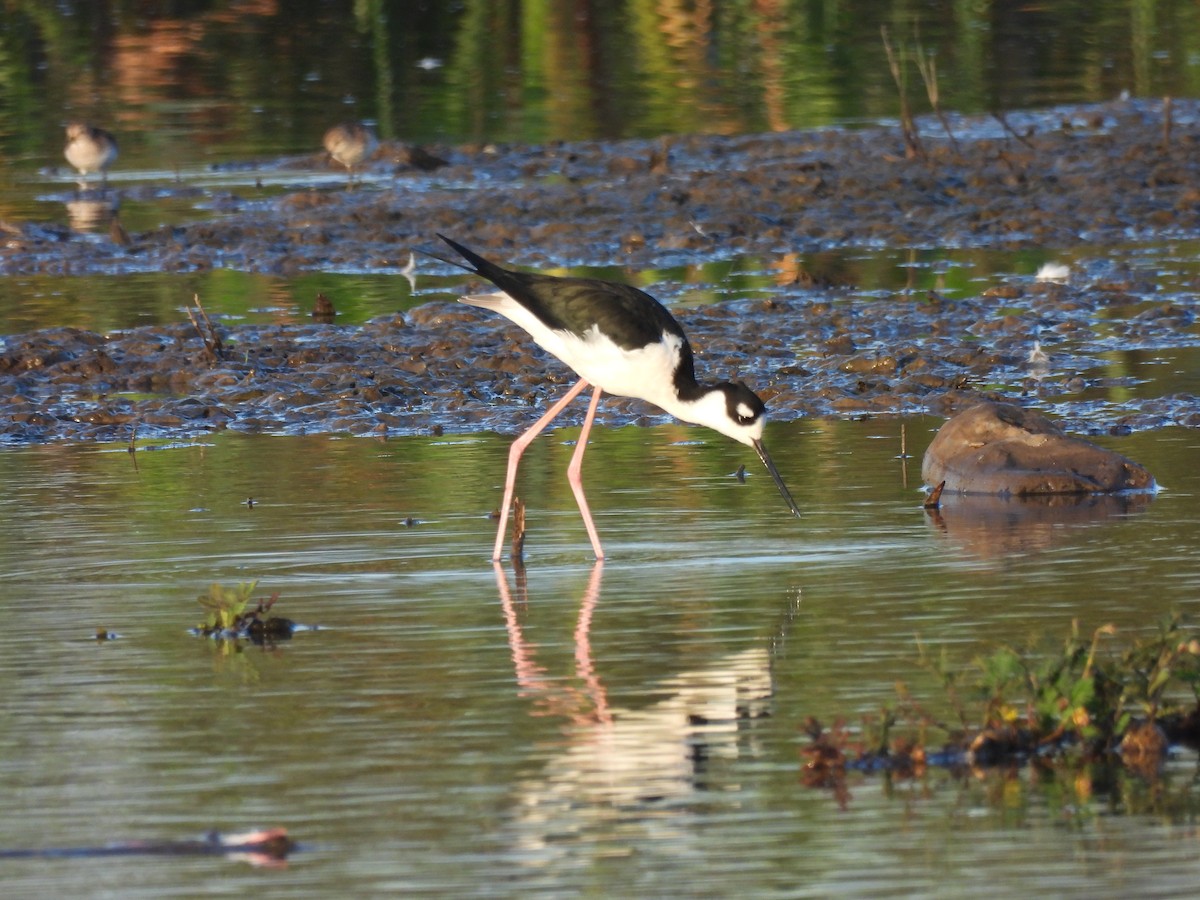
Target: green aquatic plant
(1088, 717)
(234, 614)
(1158, 668)
(1079, 700)
(226, 606)
(1058, 696)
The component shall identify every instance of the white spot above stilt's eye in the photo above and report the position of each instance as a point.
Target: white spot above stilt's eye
(745, 411)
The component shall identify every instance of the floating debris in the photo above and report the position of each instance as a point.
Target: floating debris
(264, 847)
(323, 310)
(231, 618)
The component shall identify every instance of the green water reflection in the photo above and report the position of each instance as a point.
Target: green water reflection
(104, 303)
(207, 82)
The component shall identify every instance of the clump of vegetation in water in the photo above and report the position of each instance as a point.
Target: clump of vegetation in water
(1020, 706)
(231, 616)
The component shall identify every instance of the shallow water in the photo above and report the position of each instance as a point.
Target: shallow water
(628, 729)
(109, 302)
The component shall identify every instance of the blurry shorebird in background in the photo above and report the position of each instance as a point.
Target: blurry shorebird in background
(349, 143)
(90, 149)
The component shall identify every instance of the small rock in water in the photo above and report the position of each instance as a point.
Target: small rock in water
(999, 448)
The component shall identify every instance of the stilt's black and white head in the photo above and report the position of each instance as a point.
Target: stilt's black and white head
(737, 412)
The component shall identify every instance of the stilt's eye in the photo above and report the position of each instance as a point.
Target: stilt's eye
(745, 415)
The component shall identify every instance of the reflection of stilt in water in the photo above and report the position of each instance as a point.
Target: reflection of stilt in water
(633, 766)
(587, 707)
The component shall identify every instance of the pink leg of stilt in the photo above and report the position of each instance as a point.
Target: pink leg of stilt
(514, 457)
(575, 473)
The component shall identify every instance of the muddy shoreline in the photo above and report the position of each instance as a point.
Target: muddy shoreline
(1094, 177)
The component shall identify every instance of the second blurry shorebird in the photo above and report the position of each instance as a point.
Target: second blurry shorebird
(90, 149)
(349, 144)
(621, 341)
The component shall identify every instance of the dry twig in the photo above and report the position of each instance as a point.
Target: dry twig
(518, 543)
(934, 500)
(999, 117)
(212, 341)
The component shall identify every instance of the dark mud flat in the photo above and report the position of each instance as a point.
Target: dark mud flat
(1091, 177)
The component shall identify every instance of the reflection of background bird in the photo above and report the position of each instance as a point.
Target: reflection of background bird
(350, 143)
(621, 340)
(90, 149)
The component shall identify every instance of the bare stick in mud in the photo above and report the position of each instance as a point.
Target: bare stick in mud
(518, 542)
(1000, 117)
(212, 341)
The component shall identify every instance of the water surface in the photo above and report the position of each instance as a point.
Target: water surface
(598, 730)
(200, 92)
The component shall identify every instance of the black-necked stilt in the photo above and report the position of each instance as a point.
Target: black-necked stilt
(350, 143)
(90, 149)
(622, 341)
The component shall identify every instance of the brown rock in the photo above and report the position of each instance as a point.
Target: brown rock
(998, 448)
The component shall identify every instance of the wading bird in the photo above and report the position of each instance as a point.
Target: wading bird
(90, 149)
(349, 143)
(621, 341)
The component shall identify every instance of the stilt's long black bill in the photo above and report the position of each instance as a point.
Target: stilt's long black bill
(766, 458)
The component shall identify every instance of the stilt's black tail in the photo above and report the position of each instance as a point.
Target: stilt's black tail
(478, 265)
(497, 275)
(469, 255)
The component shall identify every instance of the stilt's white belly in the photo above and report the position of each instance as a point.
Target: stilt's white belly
(647, 373)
